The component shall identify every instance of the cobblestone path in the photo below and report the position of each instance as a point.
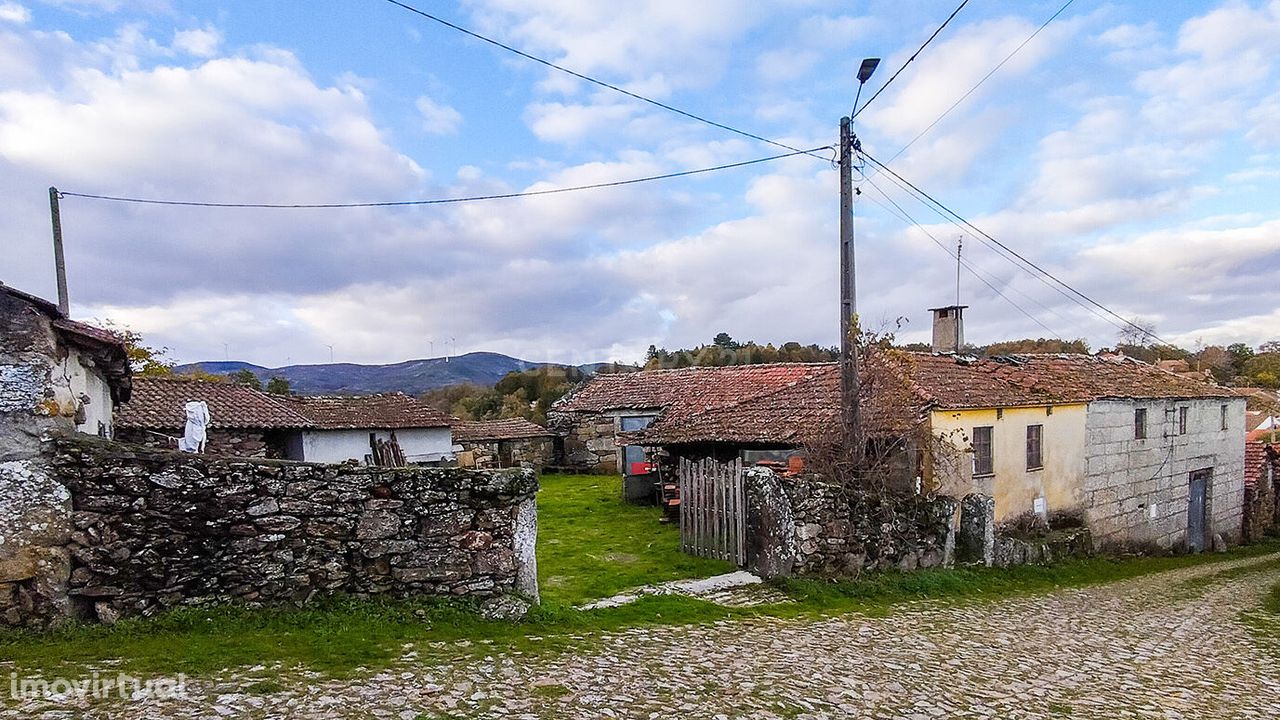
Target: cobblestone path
(1153, 647)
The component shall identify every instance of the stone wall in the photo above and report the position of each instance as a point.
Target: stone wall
(807, 525)
(35, 509)
(589, 441)
(1135, 491)
(236, 442)
(153, 529)
(1260, 500)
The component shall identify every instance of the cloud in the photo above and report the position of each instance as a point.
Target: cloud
(438, 118)
(14, 13)
(198, 42)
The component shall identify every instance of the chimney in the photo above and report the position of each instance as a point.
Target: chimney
(948, 328)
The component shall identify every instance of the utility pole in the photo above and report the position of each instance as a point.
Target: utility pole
(59, 260)
(850, 387)
(959, 247)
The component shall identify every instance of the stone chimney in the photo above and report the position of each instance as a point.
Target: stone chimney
(948, 328)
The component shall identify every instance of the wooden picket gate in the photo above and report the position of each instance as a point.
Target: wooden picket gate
(713, 509)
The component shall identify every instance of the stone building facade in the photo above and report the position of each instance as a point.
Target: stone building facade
(513, 442)
(1139, 490)
(1261, 502)
(56, 375)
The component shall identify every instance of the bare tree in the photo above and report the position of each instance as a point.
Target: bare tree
(1137, 331)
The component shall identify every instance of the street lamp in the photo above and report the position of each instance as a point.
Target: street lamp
(848, 290)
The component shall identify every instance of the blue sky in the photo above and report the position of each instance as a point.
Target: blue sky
(1132, 149)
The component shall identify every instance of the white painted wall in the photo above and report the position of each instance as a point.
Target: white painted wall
(335, 446)
(1125, 476)
(79, 386)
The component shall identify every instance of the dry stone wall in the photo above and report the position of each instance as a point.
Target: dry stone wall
(152, 529)
(808, 525)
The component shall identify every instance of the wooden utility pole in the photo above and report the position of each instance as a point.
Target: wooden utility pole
(849, 386)
(59, 261)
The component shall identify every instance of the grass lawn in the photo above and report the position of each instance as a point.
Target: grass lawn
(590, 545)
(593, 545)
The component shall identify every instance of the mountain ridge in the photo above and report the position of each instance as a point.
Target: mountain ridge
(410, 376)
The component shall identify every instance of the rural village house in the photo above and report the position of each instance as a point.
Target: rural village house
(513, 442)
(63, 368)
(252, 423)
(1146, 456)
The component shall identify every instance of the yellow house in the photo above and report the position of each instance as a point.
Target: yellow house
(1030, 459)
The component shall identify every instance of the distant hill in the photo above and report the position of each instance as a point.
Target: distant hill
(412, 376)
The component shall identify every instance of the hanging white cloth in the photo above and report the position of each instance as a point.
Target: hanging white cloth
(193, 439)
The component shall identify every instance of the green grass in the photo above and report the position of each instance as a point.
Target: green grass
(590, 545)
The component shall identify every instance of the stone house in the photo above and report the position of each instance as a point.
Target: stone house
(53, 365)
(513, 442)
(56, 375)
(592, 417)
(1141, 455)
(251, 423)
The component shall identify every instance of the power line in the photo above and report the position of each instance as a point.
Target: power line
(858, 111)
(437, 201)
(972, 271)
(1126, 322)
(1000, 250)
(986, 77)
(594, 81)
(908, 218)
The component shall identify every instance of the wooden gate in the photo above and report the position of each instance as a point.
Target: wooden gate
(713, 509)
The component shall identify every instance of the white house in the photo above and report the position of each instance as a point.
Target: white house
(349, 427)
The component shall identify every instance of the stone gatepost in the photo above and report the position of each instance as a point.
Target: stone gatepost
(975, 542)
(770, 523)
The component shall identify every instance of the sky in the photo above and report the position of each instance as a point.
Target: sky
(1130, 149)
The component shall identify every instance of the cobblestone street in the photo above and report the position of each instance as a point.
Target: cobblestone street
(1154, 647)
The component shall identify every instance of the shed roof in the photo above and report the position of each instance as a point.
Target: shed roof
(158, 404)
(387, 411)
(491, 430)
(1257, 455)
(692, 388)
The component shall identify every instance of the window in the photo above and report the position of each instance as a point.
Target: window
(1140, 423)
(1035, 433)
(982, 461)
(1182, 421)
(1048, 410)
(1224, 417)
(999, 413)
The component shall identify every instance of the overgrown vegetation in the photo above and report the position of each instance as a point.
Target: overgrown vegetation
(590, 545)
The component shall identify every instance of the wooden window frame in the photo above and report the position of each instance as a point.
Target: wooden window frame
(989, 445)
(1035, 441)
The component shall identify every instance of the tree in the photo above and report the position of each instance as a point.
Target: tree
(1138, 332)
(278, 386)
(723, 340)
(1270, 346)
(1263, 370)
(144, 360)
(245, 376)
(1240, 355)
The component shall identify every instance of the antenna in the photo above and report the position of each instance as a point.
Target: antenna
(959, 247)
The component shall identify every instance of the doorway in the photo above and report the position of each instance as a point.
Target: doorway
(1197, 509)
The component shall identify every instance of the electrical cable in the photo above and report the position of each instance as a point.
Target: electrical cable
(986, 77)
(1128, 324)
(436, 201)
(594, 81)
(858, 111)
(965, 264)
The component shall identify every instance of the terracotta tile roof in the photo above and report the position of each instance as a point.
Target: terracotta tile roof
(684, 388)
(157, 405)
(1256, 457)
(388, 411)
(490, 430)
(899, 389)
